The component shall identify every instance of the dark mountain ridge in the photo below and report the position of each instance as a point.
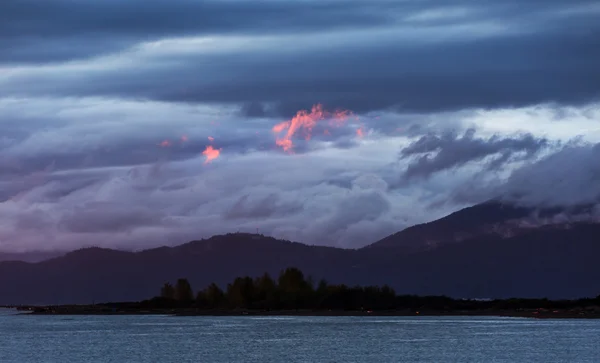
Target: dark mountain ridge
(33, 256)
(468, 259)
(95, 274)
(491, 218)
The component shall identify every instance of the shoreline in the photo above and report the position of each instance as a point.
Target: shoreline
(87, 310)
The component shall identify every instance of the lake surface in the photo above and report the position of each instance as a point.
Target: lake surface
(295, 339)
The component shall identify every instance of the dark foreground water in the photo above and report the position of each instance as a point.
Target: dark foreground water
(295, 339)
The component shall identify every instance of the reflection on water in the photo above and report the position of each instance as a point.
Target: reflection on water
(294, 339)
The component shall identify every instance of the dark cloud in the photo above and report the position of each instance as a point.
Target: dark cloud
(487, 73)
(359, 209)
(97, 217)
(255, 109)
(502, 72)
(505, 55)
(147, 17)
(53, 30)
(565, 178)
(37, 220)
(437, 153)
(269, 206)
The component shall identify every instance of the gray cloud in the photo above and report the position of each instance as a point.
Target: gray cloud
(144, 207)
(255, 109)
(316, 197)
(270, 206)
(492, 56)
(565, 178)
(437, 153)
(111, 24)
(410, 79)
(364, 206)
(65, 143)
(111, 216)
(354, 218)
(135, 20)
(33, 31)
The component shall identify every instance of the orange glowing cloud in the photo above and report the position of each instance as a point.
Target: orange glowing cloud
(184, 138)
(211, 139)
(306, 121)
(339, 117)
(360, 132)
(165, 143)
(211, 154)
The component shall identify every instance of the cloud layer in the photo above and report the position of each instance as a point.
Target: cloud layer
(436, 153)
(279, 57)
(110, 112)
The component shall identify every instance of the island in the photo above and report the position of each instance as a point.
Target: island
(294, 294)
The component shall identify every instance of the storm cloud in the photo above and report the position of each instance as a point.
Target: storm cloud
(409, 56)
(436, 153)
(107, 107)
(569, 177)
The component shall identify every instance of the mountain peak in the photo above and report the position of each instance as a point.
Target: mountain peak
(493, 217)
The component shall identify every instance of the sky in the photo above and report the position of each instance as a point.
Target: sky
(134, 124)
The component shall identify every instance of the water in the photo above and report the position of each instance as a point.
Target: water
(26, 339)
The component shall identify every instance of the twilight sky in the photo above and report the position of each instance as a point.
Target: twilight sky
(135, 124)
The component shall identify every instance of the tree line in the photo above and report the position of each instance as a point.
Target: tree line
(292, 290)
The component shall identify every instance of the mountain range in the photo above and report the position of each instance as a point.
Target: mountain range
(490, 250)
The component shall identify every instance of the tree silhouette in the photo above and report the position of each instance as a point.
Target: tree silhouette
(183, 291)
(295, 292)
(212, 297)
(167, 291)
(240, 293)
(266, 294)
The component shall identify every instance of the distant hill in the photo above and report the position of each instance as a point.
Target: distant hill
(477, 252)
(95, 274)
(29, 256)
(555, 261)
(463, 224)
(492, 218)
